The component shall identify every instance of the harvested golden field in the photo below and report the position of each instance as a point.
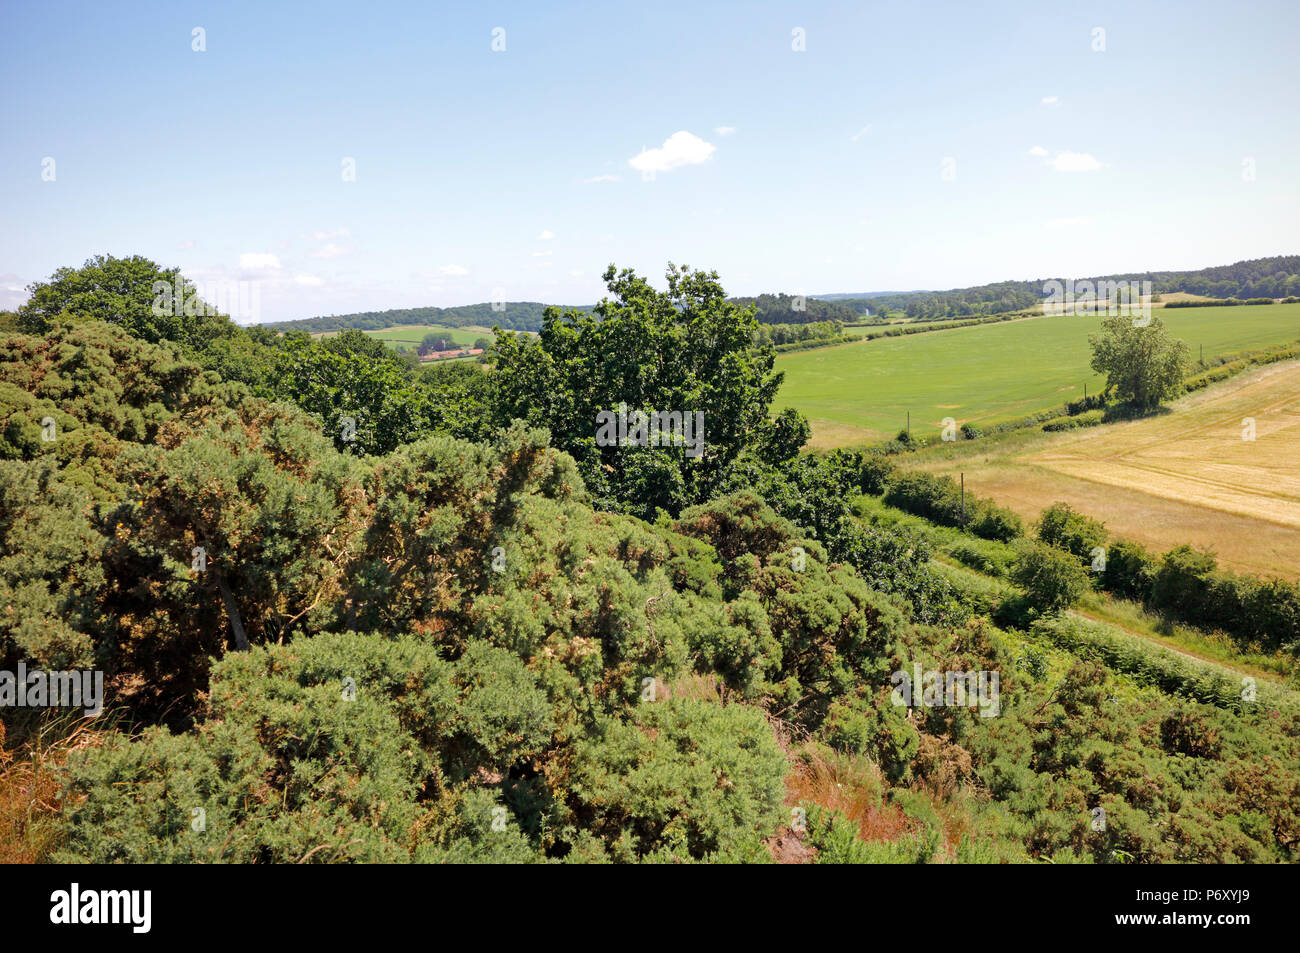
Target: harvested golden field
(1193, 475)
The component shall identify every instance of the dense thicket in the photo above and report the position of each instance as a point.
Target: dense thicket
(411, 645)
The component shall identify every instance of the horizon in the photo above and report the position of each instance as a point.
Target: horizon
(824, 296)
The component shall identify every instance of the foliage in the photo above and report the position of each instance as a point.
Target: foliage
(939, 499)
(687, 349)
(1143, 364)
(1062, 527)
(1052, 580)
(415, 646)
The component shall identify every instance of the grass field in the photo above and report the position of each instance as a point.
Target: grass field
(410, 335)
(989, 373)
(1187, 476)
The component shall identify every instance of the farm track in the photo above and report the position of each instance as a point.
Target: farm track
(1171, 646)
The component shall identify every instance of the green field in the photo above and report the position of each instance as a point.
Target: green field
(987, 373)
(410, 335)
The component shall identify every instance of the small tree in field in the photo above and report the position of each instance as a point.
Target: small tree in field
(1143, 365)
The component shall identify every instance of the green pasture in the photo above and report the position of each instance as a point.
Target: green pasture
(411, 335)
(988, 373)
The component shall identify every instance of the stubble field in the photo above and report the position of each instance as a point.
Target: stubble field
(1193, 475)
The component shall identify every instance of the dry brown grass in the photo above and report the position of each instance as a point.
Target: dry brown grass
(29, 789)
(849, 784)
(693, 686)
(1186, 477)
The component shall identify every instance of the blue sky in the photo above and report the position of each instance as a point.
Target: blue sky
(643, 133)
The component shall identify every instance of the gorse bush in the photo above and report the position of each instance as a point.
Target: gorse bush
(364, 747)
(509, 636)
(354, 612)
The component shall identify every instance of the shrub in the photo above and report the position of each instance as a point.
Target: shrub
(994, 522)
(1180, 580)
(1188, 586)
(1130, 570)
(939, 499)
(1147, 664)
(881, 732)
(837, 842)
(1062, 527)
(924, 494)
(1089, 419)
(681, 780)
(1052, 580)
(875, 473)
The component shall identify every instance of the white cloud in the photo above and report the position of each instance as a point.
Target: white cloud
(542, 254)
(310, 281)
(186, 245)
(1075, 162)
(602, 178)
(453, 271)
(724, 130)
(334, 233)
(259, 261)
(12, 294)
(576, 272)
(330, 250)
(1051, 100)
(860, 133)
(1039, 151)
(679, 149)
(1069, 222)
(546, 235)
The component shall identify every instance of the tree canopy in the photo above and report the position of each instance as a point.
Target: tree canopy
(1144, 365)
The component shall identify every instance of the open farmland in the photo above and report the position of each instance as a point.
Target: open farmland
(1188, 476)
(410, 335)
(863, 391)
